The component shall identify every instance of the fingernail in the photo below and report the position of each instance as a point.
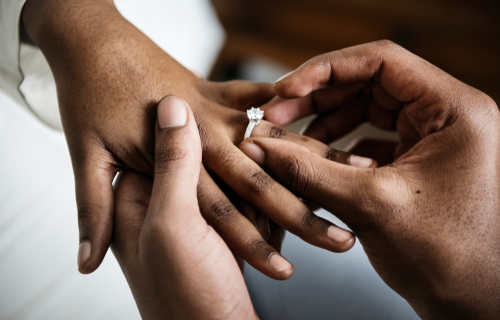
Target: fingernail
(278, 263)
(83, 252)
(337, 235)
(286, 75)
(362, 162)
(172, 112)
(254, 152)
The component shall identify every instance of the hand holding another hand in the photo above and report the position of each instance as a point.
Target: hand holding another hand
(177, 266)
(110, 78)
(429, 222)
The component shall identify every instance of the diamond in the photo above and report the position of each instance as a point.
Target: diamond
(255, 114)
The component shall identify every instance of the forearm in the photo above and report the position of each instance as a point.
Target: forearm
(90, 35)
(55, 25)
(108, 74)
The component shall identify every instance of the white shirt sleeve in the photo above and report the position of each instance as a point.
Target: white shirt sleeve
(10, 73)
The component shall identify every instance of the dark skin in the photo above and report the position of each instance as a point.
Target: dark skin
(167, 251)
(429, 221)
(110, 78)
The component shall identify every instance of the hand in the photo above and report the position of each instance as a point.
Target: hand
(177, 266)
(109, 78)
(429, 222)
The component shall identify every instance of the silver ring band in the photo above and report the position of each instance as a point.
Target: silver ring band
(254, 115)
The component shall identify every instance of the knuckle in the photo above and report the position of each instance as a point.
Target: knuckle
(385, 193)
(282, 87)
(293, 173)
(385, 43)
(486, 101)
(225, 157)
(166, 157)
(259, 182)
(331, 154)
(307, 220)
(88, 215)
(88, 212)
(219, 212)
(256, 245)
(277, 132)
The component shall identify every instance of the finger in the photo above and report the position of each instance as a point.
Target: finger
(241, 95)
(382, 118)
(277, 235)
(94, 197)
(276, 202)
(401, 74)
(260, 221)
(383, 151)
(408, 134)
(270, 130)
(330, 127)
(284, 111)
(132, 197)
(359, 64)
(269, 231)
(197, 74)
(177, 166)
(384, 99)
(339, 189)
(238, 232)
(312, 206)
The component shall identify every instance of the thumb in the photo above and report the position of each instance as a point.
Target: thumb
(177, 164)
(94, 197)
(340, 189)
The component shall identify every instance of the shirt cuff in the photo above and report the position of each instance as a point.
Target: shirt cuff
(10, 73)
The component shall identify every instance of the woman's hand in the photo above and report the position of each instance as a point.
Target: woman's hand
(110, 78)
(177, 266)
(429, 222)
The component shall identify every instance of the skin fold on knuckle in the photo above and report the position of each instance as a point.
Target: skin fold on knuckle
(88, 216)
(169, 157)
(276, 132)
(293, 172)
(256, 245)
(217, 212)
(308, 219)
(259, 183)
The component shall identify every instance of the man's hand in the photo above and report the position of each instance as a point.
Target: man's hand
(429, 222)
(109, 78)
(177, 266)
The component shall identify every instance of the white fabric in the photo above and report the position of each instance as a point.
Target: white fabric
(10, 75)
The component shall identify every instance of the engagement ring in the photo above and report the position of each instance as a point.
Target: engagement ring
(254, 115)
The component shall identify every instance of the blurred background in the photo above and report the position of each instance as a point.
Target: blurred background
(461, 37)
(258, 40)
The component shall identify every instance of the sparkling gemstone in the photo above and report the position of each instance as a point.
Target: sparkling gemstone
(255, 114)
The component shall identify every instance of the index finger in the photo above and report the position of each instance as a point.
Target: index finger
(348, 192)
(401, 73)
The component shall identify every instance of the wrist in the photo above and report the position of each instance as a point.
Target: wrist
(45, 18)
(63, 29)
